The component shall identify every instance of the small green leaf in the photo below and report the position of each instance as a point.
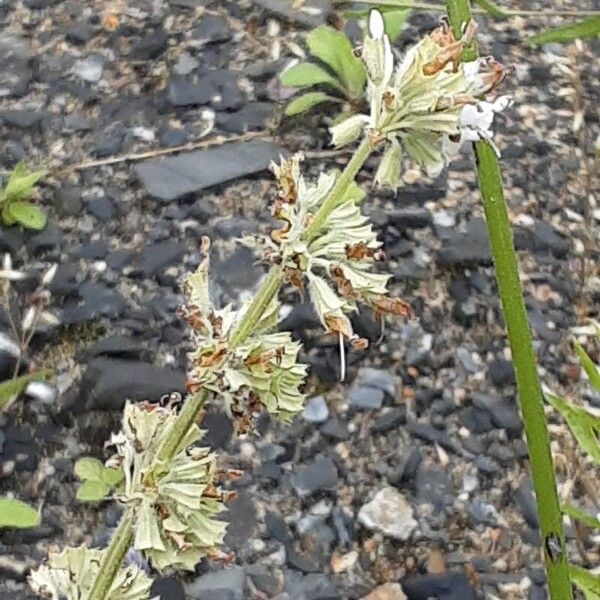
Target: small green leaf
(589, 584)
(582, 517)
(588, 365)
(304, 102)
(394, 21)
(112, 477)
(588, 28)
(89, 468)
(17, 514)
(27, 214)
(584, 426)
(92, 491)
(335, 50)
(308, 74)
(19, 183)
(9, 389)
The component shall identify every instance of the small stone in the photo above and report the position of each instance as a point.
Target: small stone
(389, 419)
(89, 69)
(365, 398)
(167, 588)
(410, 218)
(377, 378)
(483, 513)
(389, 513)
(319, 475)
(225, 583)
(387, 591)
(101, 208)
(446, 586)
(316, 410)
(150, 46)
(500, 372)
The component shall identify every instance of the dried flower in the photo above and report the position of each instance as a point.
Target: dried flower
(426, 107)
(69, 575)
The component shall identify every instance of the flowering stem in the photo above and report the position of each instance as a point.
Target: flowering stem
(123, 536)
(111, 562)
(519, 336)
(340, 187)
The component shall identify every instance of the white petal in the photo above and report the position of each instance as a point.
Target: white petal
(376, 25)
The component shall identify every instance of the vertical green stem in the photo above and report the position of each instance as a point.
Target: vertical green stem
(111, 562)
(123, 536)
(519, 336)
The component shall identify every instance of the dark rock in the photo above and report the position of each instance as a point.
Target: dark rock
(157, 257)
(150, 46)
(119, 346)
(167, 588)
(15, 69)
(183, 92)
(389, 419)
(266, 580)
(109, 143)
(11, 239)
(19, 446)
(170, 178)
(336, 429)
(101, 208)
(68, 201)
(483, 513)
(410, 218)
(377, 378)
(446, 586)
(241, 516)
(117, 259)
(435, 436)
(277, 528)
(365, 398)
(525, 499)
(470, 247)
(316, 476)
(23, 119)
(434, 486)
(97, 300)
(486, 465)
(253, 116)
(476, 420)
(170, 137)
(65, 281)
(48, 240)
(225, 584)
(94, 250)
(219, 429)
(80, 33)
(547, 239)
(501, 372)
(212, 28)
(504, 414)
(314, 586)
(107, 383)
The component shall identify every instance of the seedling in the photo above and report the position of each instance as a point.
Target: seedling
(15, 207)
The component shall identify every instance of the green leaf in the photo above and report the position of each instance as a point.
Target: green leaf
(19, 183)
(492, 9)
(112, 477)
(584, 426)
(27, 214)
(304, 102)
(335, 50)
(89, 468)
(588, 365)
(17, 514)
(9, 389)
(308, 74)
(588, 28)
(394, 21)
(589, 584)
(92, 491)
(582, 517)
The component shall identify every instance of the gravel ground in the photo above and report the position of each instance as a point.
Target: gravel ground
(410, 479)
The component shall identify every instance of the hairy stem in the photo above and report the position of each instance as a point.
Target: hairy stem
(339, 188)
(519, 336)
(269, 288)
(111, 562)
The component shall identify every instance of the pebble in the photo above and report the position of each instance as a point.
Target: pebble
(389, 513)
(387, 591)
(90, 69)
(316, 410)
(318, 475)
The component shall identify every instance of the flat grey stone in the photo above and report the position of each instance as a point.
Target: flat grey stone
(170, 178)
(389, 513)
(225, 584)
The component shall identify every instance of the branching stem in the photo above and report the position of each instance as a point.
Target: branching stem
(519, 336)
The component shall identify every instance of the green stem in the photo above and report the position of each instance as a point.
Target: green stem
(339, 188)
(123, 536)
(111, 562)
(519, 336)
(486, 8)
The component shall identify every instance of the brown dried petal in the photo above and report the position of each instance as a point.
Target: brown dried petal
(384, 305)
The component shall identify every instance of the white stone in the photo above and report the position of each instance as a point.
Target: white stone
(389, 513)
